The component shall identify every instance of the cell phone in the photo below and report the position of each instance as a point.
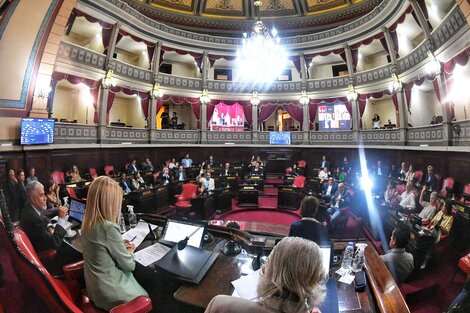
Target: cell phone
(360, 281)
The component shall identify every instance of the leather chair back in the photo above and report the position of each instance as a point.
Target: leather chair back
(299, 182)
(189, 191)
(93, 173)
(418, 175)
(71, 193)
(57, 177)
(302, 163)
(108, 168)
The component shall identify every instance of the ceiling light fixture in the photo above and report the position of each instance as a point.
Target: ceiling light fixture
(304, 98)
(108, 80)
(352, 93)
(396, 83)
(204, 98)
(261, 58)
(255, 100)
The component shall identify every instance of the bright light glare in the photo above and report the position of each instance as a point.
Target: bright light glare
(366, 182)
(460, 82)
(261, 59)
(85, 94)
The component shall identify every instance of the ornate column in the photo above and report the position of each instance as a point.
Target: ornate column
(448, 133)
(102, 114)
(112, 47)
(155, 65)
(304, 102)
(255, 101)
(205, 69)
(403, 116)
(303, 70)
(423, 23)
(391, 47)
(203, 122)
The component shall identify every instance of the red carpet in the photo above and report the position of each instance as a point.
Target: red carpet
(265, 215)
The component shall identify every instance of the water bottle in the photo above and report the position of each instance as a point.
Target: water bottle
(348, 256)
(122, 224)
(358, 261)
(132, 216)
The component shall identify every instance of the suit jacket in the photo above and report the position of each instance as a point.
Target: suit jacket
(146, 167)
(229, 172)
(334, 188)
(165, 180)
(227, 304)
(430, 180)
(256, 172)
(178, 176)
(399, 263)
(321, 165)
(125, 184)
(344, 198)
(311, 230)
(132, 168)
(35, 226)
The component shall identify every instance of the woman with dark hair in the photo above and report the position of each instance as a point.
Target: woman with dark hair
(310, 226)
(52, 194)
(292, 281)
(376, 121)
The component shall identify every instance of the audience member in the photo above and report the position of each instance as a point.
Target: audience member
(227, 171)
(42, 234)
(173, 164)
(52, 195)
(379, 169)
(399, 263)
(256, 170)
(402, 172)
(21, 193)
(12, 196)
(174, 121)
(440, 224)
(461, 303)
(340, 174)
(125, 185)
(181, 175)
(147, 166)
(410, 174)
(109, 261)
(339, 200)
(137, 181)
(407, 198)
(75, 174)
(324, 163)
(210, 161)
(309, 227)
(390, 193)
(132, 168)
(376, 121)
(32, 176)
(187, 162)
(429, 208)
(294, 170)
(207, 183)
(434, 120)
(323, 174)
(292, 281)
(430, 178)
(328, 190)
(165, 177)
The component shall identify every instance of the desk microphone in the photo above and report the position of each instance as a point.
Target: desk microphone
(183, 243)
(151, 233)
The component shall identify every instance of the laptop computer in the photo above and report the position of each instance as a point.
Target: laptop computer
(76, 212)
(177, 230)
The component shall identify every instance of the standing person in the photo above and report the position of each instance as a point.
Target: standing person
(12, 196)
(109, 261)
(376, 121)
(310, 226)
(32, 176)
(174, 121)
(187, 162)
(292, 281)
(21, 193)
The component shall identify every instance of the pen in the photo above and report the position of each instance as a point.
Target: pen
(133, 238)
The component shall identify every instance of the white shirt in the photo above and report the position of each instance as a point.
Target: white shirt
(328, 190)
(322, 175)
(428, 211)
(408, 200)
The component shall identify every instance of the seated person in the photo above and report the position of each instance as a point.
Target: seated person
(291, 282)
(294, 170)
(180, 175)
(430, 178)
(399, 263)
(124, 183)
(147, 166)
(256, 170)
(210, 161)
(402, 172)
(41, 233)
(75, 174)
(324, 163)
(410, 175)
(227, 170)
(323, 174)
(132, 169)
(32, 176)
(429, 208)
(339, 175)
(407, 198)
(440, 224)
(328, 190)
(461, 303)
(309, 227)
(137, 181)
(207, 183)
(434, 120)
(165, 177)
(339, 200)
(390, 193)
(173, 164)
(109, 261)
(52, 195)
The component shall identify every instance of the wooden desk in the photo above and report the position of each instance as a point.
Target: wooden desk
(459, 235)
(222, 199)
(248, 196)
(289, 198)
(150, 200)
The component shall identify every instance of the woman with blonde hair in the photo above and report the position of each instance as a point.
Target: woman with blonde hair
(292, 281)
(109, 261)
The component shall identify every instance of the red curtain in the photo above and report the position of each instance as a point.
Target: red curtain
(196, 110)
(296, 60)
(395, 101)
(106, 28)
(295, 111)
(214, 57)
(266, 110)
(312, 111)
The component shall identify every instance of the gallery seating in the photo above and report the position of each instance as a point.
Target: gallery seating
(58, 177)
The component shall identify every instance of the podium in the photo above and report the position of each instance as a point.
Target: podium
(223, 199)
(289, 198)
(248, 196)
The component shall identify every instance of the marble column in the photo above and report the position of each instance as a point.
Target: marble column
(102, 114)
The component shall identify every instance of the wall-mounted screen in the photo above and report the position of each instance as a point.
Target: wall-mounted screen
(334, 117)
(37, 131)
(279, 138)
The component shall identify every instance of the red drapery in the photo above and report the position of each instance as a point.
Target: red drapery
(197, 56)
(106, 28)
(93, 85)
(144, 99)
(295, 111)
(214, 57)
(150, 45)
(266, 110)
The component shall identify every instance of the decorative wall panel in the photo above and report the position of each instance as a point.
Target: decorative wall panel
(67, 133)
(71, 52)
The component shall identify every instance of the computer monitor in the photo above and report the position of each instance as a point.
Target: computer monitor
(326, 253)
(77, 210)
(176, 231)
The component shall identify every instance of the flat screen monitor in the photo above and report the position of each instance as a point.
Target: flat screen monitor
(37, 131)
(333, 117)
(326, 256)
(279, 138)
(176, 231)
(77, 210)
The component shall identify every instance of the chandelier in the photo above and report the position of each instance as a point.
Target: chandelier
(261, 58)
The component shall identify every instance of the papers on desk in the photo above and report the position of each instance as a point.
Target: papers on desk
(151, 254)
(346, 277)
(245, 286)
(138, 233)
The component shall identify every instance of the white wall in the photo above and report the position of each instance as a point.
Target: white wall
(128, 110)
(71, 103)
(321, 71)
(185, 115)
(383, 107)
(424, 105)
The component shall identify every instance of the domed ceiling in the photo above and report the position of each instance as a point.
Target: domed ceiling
(231, 17)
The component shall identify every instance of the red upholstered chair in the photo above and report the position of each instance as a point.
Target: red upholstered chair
(57, 177)
(447, 186)
(59, 295)
(108, 169)
(155, 177)
(93, 173)
(183, 200)
(302, 163)
(71, 193)
(288, 170)
(299, 182)
(418, 176)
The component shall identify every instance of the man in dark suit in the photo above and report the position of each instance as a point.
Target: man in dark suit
(11, 194)
(165, 177)
(324, 163)
(42, 234)
(339, 200)
(21, 193)
(430, 178)
(227, 170)
(125, 184)
(180, 175)
(328, 190)
(256, 170)
(310, 227)
(132, 169)
(147, 166)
